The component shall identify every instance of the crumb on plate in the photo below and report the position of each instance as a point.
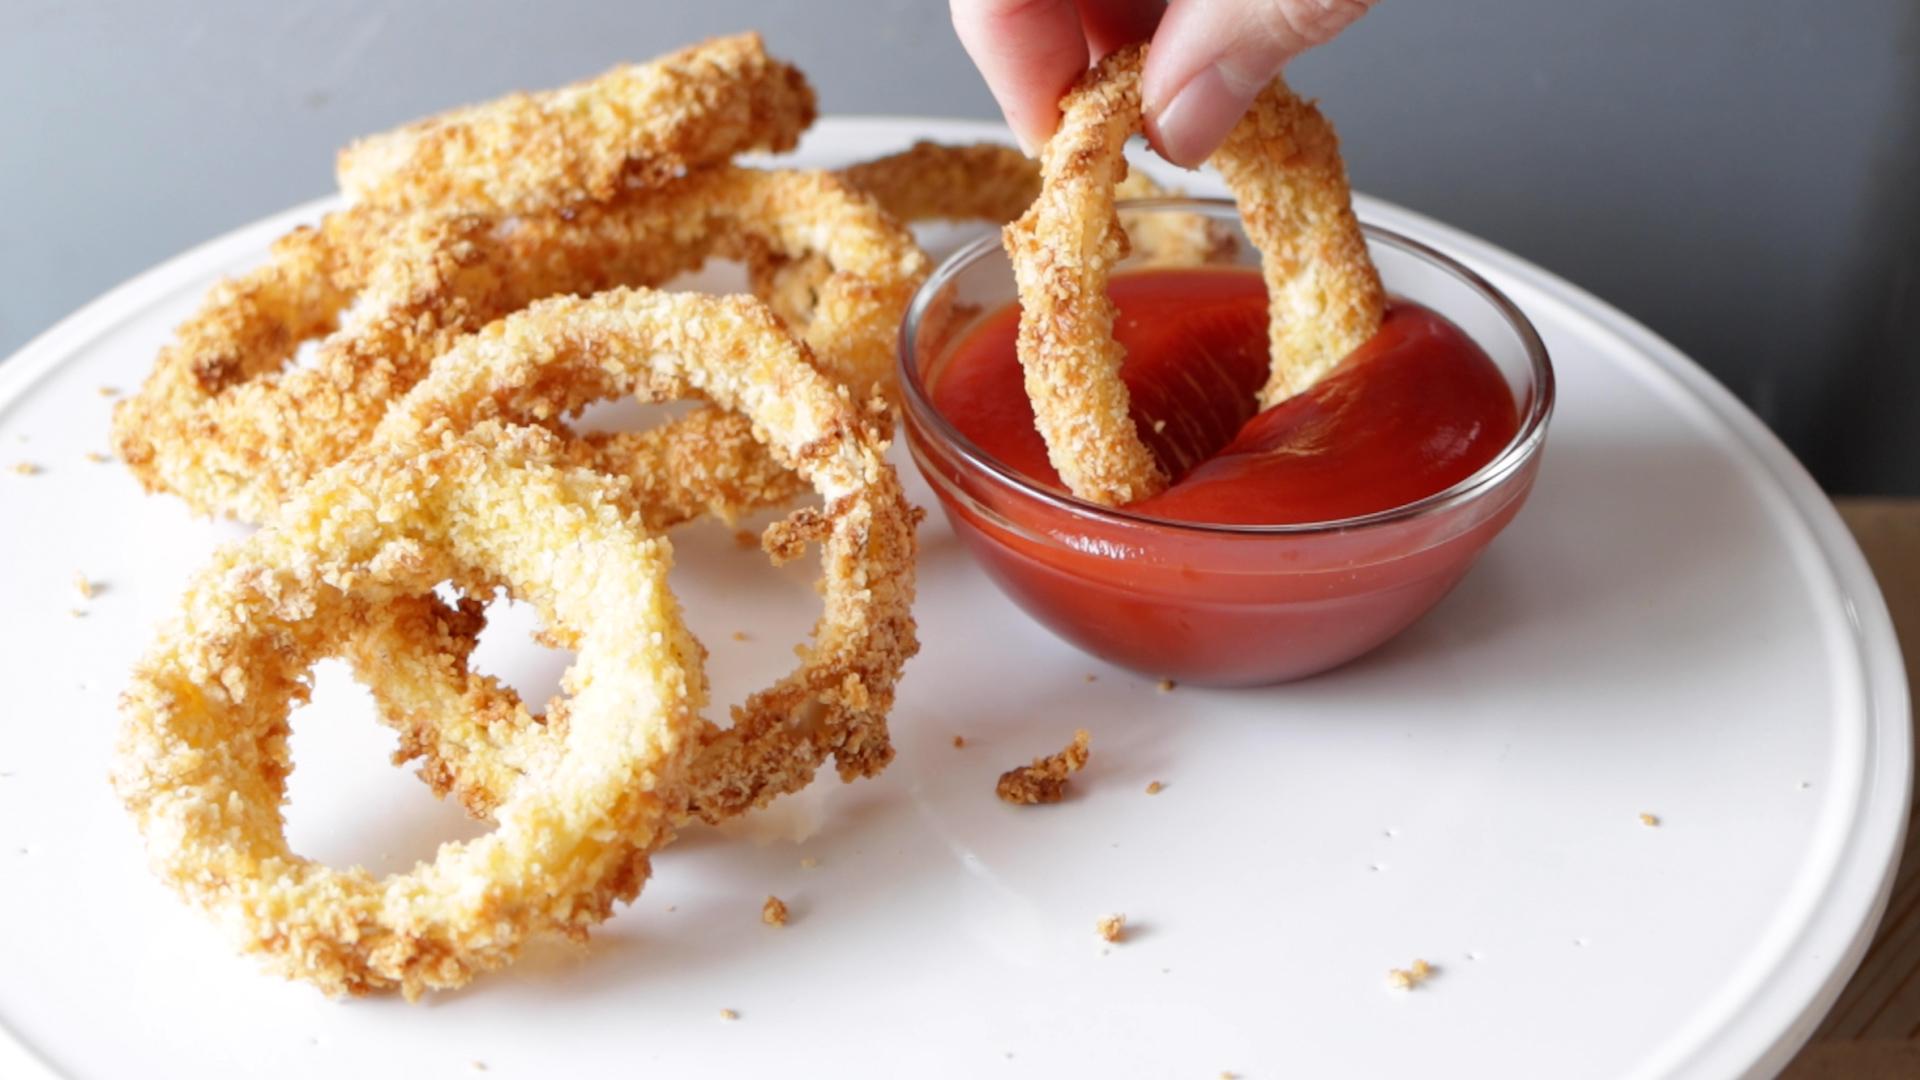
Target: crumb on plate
(959, 742)
(746, 538)
(1045, 780)
(809, 863)
(1156, 787)
(84, 587)
(1409, 977)
(1167, 685)
(98, 458)
(742, 635)
(1111, 928)
(774, 911)
(26, 468)
(1650, 820)
(729, 1014)
(109, 391)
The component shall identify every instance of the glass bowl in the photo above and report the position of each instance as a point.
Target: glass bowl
(1227, 605)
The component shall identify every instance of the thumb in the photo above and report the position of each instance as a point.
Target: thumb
(1210, 58)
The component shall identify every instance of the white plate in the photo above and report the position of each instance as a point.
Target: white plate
(1678, 624)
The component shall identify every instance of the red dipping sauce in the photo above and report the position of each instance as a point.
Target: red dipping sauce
(1287, 542)
(1414, 411)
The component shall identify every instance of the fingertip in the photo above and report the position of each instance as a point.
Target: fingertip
(1112, 25)
(1190, 124)
(1029, 52)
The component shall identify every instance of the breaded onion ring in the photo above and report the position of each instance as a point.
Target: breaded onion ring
(987, 182)
(202, 760)
(636, 125)
(1283, 165)
(559, 355)
(225, 423)
(932, 181)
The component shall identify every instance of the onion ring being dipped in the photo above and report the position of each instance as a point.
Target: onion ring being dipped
(637, 125)
(203, 758)
(1283, 165)
(557, 356)
(225, 423)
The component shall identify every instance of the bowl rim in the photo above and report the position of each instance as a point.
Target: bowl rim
(1525, 444)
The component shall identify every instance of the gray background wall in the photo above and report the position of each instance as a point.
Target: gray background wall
(1742, 175)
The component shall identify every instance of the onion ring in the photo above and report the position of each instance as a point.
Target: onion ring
(988, 182)
(636, 125)
(557, 356)
(202, 759)
(223, 421)
(1281, 161)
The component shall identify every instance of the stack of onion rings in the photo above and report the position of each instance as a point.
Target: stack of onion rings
(224, 422)
(497, 274)
(365, 518)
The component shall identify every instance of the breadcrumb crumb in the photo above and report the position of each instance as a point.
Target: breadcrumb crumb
(729, 1014)
(746, 538)
(1167, 685)
(1045, 781)
(1091, 677)
(98, 458)
(85, 588)
(774, 911)
(1111, 927)
(959, 742)
(78, 613)
(1409, 977)
(809, 863)
(26, 468)
(109, 391)
(1156, 787)
(1651, 821)
(742, 635)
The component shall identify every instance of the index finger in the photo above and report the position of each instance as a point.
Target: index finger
(1029, 51)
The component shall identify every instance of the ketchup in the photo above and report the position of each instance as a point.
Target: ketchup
(1415, 410)
(1160, 588)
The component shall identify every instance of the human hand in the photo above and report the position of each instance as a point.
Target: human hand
(1208, 59)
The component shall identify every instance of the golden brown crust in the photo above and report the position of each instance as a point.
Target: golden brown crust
(203, 756)
(1045, 779)
(634, 126)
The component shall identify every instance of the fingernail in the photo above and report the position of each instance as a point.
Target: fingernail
(1198, 116)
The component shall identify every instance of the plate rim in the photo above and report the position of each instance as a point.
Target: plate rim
(1760, 1029)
